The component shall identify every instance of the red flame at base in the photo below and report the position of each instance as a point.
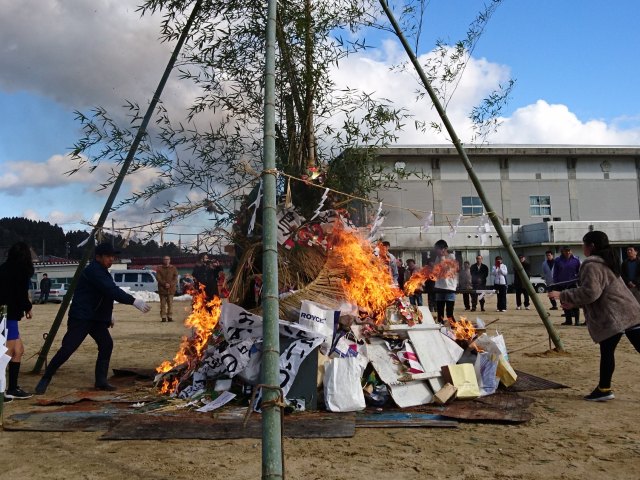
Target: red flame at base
(203, 320)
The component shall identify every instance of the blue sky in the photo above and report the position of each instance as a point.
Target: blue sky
(574, 62)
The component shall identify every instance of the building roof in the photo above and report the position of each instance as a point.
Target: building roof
(512, 149)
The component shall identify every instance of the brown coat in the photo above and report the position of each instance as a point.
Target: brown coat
(168, 275)
(609, 307)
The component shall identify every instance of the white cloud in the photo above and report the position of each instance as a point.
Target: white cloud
(58, 217)
(83, 53)
(373, 74)
(539, 123)
(542, 123)
(18, 176)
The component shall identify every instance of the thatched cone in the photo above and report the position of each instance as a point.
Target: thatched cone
(314, 274)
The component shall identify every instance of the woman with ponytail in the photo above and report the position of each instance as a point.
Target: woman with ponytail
(15, 278)
(610, 308)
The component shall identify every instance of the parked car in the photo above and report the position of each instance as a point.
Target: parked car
(539, 285)
(56, 294)
(136, 280)
(185, 284)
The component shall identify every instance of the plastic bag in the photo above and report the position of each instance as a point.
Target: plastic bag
(499, 341)
(342, 388)
(486, 365)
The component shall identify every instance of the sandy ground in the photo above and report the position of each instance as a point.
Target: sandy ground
(569, 438)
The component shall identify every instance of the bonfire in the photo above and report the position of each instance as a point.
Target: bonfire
(342, 269)
(202, 320)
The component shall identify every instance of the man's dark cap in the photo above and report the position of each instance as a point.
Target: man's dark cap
(106, 249)
(565, 247)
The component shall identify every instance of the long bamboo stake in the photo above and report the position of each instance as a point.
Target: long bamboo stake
(544, 315)
(44, 351)
(272, 454)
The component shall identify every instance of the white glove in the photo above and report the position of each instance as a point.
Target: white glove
(140, 305)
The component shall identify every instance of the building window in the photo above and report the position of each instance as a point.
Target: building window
(539, 205)
(472, 206)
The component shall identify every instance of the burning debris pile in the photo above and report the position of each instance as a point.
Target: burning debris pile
(374, 347)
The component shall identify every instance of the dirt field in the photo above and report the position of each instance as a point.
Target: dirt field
(569, 438)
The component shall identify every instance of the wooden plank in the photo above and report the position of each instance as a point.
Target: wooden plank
(499, 407)
(197, 426)
(67, 420)
(408, 377)
(395, 419)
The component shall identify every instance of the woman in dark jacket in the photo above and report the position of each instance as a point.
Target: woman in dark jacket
(15, 278)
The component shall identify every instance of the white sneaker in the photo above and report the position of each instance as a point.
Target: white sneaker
(518, 308)
(526, 308)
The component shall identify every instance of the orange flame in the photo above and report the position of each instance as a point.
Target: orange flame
(462, 329)
(447, 268)
(202, 320)
(368, 281)
(168, 387)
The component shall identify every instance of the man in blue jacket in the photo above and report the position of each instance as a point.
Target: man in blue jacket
(91, 314)
(566, 270)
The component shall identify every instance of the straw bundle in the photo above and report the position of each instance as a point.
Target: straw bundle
(308, 270)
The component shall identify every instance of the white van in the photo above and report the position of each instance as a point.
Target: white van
(136, 280)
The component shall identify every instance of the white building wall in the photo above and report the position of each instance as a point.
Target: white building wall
(608, 199)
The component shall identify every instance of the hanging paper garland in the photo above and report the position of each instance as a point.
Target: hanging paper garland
(321, 204)
(484, 228)
(428, 221)
(453, 229)
(255, 205)
(377, 223)
(84, 242)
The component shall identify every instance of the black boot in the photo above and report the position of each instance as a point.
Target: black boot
(41, 388)
(102, 370)
(577, 318)
(567, 319)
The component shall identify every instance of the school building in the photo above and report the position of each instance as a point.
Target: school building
(546, 196)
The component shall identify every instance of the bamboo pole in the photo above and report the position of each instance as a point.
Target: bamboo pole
(272, 454)
(44, 351)
(544, 315)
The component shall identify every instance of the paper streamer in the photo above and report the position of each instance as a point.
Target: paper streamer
(428, 221)
(321, 204)
(483, 228)
(255, 205)
(453, 230)
(377, 223)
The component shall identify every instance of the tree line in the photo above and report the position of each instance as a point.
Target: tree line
(48, 240)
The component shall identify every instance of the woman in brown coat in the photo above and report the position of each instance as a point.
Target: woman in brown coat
(609, 307)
